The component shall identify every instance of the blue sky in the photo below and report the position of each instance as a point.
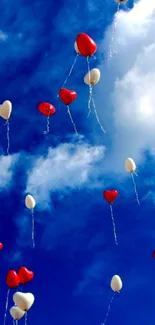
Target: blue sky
(75, 254)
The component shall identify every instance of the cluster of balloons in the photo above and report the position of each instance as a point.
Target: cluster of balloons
(23, 302)
(85, 46)
(110, 196)
(22, 276)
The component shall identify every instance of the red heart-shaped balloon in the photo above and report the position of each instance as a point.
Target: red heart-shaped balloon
(25, 275)
(67, 96)
(46, 109)
(110, 196)
(1, 246)
(12, 279)
(85, 44)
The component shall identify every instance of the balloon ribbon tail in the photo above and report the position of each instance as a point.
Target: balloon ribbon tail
(113, 222)
(97, 118)
(108, 311)
(6, 305)
(135, 188)
(70, 71)
(70, 116)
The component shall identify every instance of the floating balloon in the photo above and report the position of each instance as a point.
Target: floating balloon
(116, 286)
(12, 279)
(25, 275)
(110, 197)
(92, 77)
(48, 110)
(1, 246)
(23, 300)
(30, 204)
(85, 45)
(5, 112)
(30, 201)
(6, 109)
(153, 254)
(116, 283)
(130, 167)
(68, 96)
(16, 313)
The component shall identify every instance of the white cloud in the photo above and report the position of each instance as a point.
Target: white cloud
(67, 166)
(3, 36)
(6, 171)
(131, 75)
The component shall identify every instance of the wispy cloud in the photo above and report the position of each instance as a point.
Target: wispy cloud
(65, 170)
(3, 36)
(65, 167)
(6, 168)
(91, 279)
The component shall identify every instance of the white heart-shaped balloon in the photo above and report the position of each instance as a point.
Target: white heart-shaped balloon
(92, 77)
(16, 313)
(6, 109)
(23, 300)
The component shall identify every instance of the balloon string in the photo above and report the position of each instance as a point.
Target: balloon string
(90, 88)
(135, 189)
(113, 222)
(70, 116)
(90, 99)
(33, 241)
(111, 52)
(47, 125)
(26, 319)
(97, 118)
(8, 136)
(70, 71)
(109, 307)
(6, 305)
